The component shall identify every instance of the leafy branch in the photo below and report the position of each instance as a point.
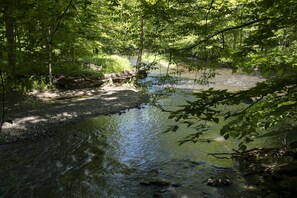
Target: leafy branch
(226, 30)
(268, 105)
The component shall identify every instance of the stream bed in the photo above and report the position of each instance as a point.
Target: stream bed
(124, 155)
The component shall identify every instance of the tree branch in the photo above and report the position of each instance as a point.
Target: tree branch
(209, 9)
(224, 30)
(59, 21)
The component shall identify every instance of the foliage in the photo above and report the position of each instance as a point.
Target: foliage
(266, 110)
(146, 67)
(75, 69)
(242, 35)
(160, 59)
(57, 34)
(32, 83)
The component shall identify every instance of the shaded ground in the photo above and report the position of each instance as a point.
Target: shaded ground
(34, 115)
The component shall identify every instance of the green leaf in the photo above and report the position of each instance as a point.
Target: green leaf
(189, 124)
(242, 147)
(167, 130)
(171, 116)
(216, 120)
(226, 136)
(267, 124)
(278, 59)
(175, 128)
(178, 118)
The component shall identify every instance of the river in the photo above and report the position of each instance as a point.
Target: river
(119, 155)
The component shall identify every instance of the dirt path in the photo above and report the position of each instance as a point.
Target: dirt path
(35, 114)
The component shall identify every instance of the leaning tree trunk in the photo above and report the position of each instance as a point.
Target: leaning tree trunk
(141, 36)
(11, 46)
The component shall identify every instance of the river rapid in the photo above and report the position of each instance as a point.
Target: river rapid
(125, 154)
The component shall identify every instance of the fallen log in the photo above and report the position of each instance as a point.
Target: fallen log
(71, 82)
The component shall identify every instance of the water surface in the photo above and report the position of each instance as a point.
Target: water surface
(112, 156)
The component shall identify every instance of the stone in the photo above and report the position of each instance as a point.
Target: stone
(218, 182)
(160, 183)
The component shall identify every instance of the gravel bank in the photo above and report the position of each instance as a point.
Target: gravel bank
(34, 115)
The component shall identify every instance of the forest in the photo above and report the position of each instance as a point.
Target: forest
(42, 42)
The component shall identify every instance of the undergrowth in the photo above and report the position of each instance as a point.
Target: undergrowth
(34, 76)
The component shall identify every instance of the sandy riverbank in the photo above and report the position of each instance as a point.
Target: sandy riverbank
(34, 115)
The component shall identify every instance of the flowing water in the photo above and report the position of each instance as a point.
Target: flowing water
(118, 155)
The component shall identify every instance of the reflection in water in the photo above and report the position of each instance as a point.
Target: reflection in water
(137, 138)
(111, 156)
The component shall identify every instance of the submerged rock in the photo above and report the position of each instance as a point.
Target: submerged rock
(160, 183)
(218, 182)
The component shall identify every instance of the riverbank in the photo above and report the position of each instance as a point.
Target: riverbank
(33, 115)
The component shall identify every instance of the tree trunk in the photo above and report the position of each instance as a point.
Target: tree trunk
(169, 63)
(235, 39)
(50, 58)
(11, 46)
(50, 75)
(51, 35)
(3, 101)
(241, 29)
(223, 40)
(141, 36)
(73, 54)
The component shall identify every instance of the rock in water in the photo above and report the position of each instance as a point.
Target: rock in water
(218, 182)
(160, 183)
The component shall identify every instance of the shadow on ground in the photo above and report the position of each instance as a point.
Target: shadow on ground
(32, 117)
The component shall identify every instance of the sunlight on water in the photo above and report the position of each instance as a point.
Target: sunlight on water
(114, 156)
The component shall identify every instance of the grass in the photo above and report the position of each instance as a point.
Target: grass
(103, 64)
(74, 69)
(109, 63)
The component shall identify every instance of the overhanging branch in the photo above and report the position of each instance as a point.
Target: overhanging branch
(225, 30)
